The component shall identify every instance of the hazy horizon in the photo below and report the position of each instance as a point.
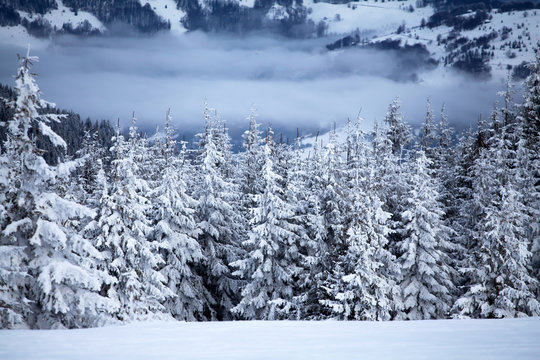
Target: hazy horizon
(292, 83)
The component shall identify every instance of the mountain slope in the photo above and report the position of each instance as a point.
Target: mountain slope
(478, 37)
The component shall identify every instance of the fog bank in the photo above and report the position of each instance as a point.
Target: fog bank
(292, 83)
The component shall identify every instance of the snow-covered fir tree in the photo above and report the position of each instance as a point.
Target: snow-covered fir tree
(498, 280)
(48, 275)
(398, 132)
(332, 187)
(88, 178)
(364, 286)
(270, 266)
(529, 129)
(217, 220)
(251, 163)
(309, 231)
(426, 276)
(174, 227)
(315, 281)
(391, 186)
(248, 169)
(428, 131)
(130, 255)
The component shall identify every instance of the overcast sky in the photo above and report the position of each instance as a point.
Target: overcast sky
(291, 83)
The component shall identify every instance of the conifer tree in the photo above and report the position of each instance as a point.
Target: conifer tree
(426, 275)
(252, 160)
(130, 257)
(498, 279)
(270, 265)
(332, 201)
(248, 170)
(48, 276)
(217, 220)
(332, 193)
(399, 133)
(308, 229)
(529, 126)
(89, 173)
(175, 228)
(363, 286)
(365, 291)
(316, 279)
(389, 172)
(530, 110)
(428, 131)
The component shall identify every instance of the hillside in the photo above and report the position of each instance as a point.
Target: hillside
(478, 37)
(475, 41)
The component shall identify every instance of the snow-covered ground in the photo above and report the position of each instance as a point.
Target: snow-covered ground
(441, 339)
(371, 16)
(63, 15)
(167, 10)
(380, 20)
(524, 25)
(374, 20)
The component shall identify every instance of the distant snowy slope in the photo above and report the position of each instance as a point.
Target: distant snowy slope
(438, 339)
(512, 39)
(167, 10)
(64, 15)
(517, 32)
(247, 3)
(378, 17)
(497, 44)
(499, 40)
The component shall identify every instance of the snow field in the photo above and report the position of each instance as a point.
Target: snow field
(525, 27)
(438, 339)
(63, 15)
(381, 18)
(167, 10)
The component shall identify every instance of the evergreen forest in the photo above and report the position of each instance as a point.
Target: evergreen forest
(100, 227)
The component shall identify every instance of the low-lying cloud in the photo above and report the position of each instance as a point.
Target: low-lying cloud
(292, 83)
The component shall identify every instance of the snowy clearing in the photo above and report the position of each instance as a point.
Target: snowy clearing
(438, 339)
(64, 15)
(381, 18)
(167, 10)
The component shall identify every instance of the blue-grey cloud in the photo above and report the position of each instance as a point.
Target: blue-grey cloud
(292, 83)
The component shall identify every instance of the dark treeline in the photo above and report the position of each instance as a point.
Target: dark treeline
(285, 17)
(474, 55)
(450, 12)
(129, 12)
(72, 129)
(360, 226)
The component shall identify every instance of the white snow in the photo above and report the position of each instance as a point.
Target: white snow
(381, 20)
(277, 12)
(63, 15)
(368, 16)
(437, 339)
(247, 3)
(525, 27)
(166, 9)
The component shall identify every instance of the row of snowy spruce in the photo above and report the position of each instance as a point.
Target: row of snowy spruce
(369, 230)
